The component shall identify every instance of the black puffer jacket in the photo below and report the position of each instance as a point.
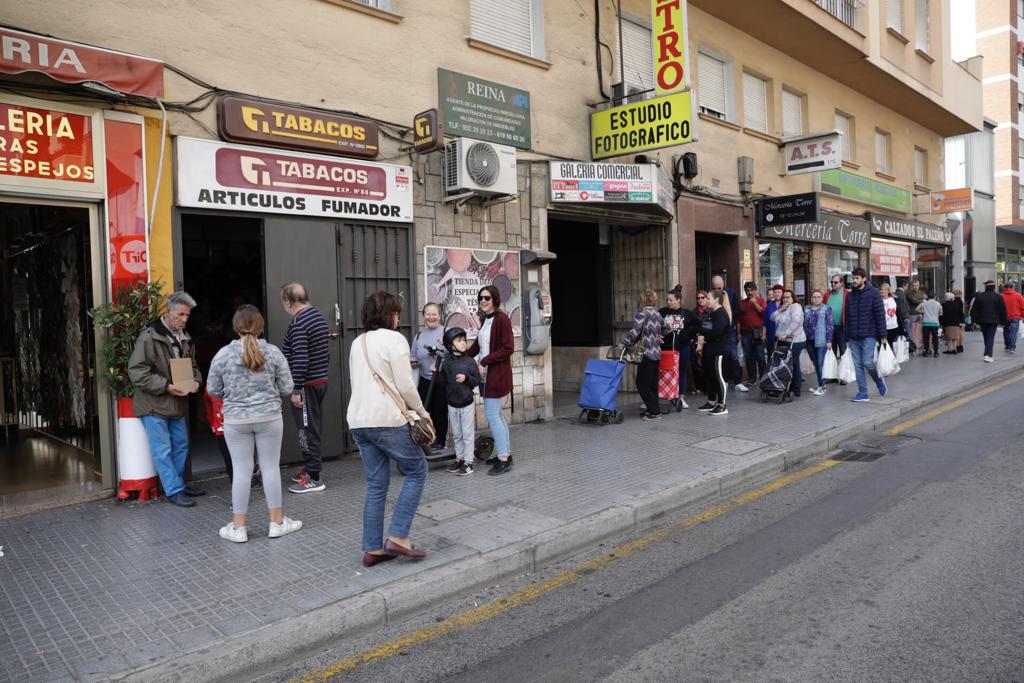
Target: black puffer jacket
(952, 313)
(988, 308)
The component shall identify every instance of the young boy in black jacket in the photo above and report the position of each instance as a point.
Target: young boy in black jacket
(459, 374)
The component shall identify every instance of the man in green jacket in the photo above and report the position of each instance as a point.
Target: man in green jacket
(159, 404)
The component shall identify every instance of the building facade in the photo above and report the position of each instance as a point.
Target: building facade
(275, 143)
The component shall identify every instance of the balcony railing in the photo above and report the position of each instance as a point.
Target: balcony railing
(846, 11)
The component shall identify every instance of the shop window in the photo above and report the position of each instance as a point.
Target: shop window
(894, 15)
(844, 123)
(514, 25)
(792, 114)
(715, 85)
(920, 167)
(769, 258)
(637, 56)
(842, 261)
(755, 103)
(882, 152)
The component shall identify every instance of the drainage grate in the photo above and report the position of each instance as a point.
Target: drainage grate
(858, 456)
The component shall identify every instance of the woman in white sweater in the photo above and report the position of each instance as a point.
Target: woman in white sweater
(789, 329)
(380, 429)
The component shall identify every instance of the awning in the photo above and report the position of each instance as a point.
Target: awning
(69, 62)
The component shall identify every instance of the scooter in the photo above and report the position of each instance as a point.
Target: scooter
(483, 445)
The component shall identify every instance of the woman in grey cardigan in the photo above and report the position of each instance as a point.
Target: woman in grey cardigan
(789, 328)
(251, 376)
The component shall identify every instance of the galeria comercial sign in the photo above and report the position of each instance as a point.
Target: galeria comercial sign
(642, 126)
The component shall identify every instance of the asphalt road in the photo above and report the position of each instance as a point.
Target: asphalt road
(909, 567)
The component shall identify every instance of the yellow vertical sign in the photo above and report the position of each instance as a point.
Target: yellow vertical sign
(668, 35)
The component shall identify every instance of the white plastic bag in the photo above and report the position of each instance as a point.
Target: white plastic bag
(806, 364)
(1020, 331)
(886, 363)
(831, 368)
(902, 350)
(847, 373)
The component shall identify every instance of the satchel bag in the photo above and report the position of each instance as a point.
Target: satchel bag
(420, 430)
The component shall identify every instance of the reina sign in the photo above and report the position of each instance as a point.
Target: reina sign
(484, 110)
(245, 119)
(671, 56)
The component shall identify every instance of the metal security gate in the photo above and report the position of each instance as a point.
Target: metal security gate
(638, 262)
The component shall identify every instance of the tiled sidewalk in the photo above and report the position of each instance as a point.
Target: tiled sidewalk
(103, 587)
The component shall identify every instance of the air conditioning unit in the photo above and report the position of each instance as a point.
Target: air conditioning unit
(481, 167)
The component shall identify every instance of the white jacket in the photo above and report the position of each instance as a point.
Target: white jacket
(369, 406)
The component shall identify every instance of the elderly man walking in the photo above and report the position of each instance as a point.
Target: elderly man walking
(159, 404)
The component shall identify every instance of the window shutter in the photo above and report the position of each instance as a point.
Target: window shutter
(843, 124)
(894, 15)
(755, 103)
(923, 38)
(920, 161)
(504, 23)
(792, 114)
(637, 56)
(881, 151)
(711, 85)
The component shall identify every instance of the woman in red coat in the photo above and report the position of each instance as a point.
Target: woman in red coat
(493, 350)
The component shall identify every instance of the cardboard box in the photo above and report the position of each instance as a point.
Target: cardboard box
(181, 373)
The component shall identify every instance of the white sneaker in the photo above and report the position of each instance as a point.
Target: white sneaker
(230, 533)
(285, 527)
(683, 403)
(988, 359)
(741, 387)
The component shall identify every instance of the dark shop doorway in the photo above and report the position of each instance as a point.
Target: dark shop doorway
(222, 268)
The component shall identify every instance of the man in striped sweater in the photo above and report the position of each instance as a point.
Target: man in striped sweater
(305, 347)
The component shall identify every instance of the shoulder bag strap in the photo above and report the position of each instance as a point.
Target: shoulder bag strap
(385, 387)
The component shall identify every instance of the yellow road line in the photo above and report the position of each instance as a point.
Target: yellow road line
(932, 414)
(530, 593)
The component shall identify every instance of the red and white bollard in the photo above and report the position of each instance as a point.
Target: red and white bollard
(135, 468)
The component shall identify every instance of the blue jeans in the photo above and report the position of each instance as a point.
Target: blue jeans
(168, 442)
(817, 354)
(798, 377)
(863, 352)
(839, 339)
(753, 354)
(377, 447)
(499, 428)
(1010, 333)
(734, 358)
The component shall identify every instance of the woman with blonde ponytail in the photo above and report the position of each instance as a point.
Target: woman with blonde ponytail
(251, 376)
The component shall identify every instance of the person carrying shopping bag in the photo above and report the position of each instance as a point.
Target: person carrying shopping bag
(819, 330)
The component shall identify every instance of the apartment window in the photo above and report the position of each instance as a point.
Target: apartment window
(755, 103)
(515, 25)
(844, 124)
(387, 5)
(894, 15)
(637, 56)
(792, 114)
(882, 152)
(715, 85)
(923, 20)
(920, 167)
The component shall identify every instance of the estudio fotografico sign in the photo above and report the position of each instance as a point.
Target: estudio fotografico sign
(842, 231)
(584, 181)
(642, 126)
(788, 209)
(484, 110)
(247, 119)
(454, 276)
(217, 175)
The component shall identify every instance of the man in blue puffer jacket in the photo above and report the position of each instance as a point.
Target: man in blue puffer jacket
(864, 321)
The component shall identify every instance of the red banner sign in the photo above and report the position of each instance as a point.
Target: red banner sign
(891, 258)
(41, 143)
(75, 63)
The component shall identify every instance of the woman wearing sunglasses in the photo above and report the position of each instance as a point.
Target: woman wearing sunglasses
(493, 349)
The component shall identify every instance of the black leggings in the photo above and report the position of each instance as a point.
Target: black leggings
(931, 338)
(714, 382)
(647, 384)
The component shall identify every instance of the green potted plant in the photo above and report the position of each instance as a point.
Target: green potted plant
(122, 320)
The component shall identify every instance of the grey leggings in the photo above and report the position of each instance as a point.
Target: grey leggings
(265, 438)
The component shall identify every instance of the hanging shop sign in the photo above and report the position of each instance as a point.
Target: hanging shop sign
(453, 277)
(892, 258)
(427, 131)
(642, 126)
(216, 175)
(840, 183)
(247, 119)
(46, 144)
(484, 110)
(812, 153)
(70, 62)
(831, 228)
(584, 181)
(671, 54)
(914, 231)
(948, 201)
(788, 210)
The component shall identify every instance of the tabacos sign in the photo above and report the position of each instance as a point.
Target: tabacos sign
(245, 119)
(671, 56)
(45, 144)
(241, 178)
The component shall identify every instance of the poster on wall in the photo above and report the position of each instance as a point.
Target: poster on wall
(891, 258)
(453, 277)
